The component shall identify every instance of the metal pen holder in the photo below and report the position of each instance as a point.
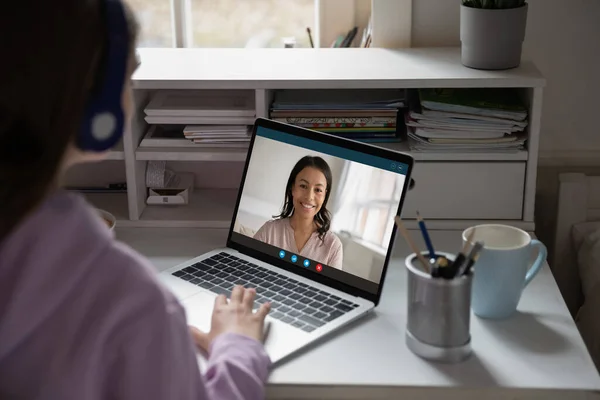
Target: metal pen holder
(438, 313)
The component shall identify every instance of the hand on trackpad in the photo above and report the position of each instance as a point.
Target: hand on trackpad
(213, 316)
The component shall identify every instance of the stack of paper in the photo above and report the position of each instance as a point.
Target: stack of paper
(365, 115)
(233, 107)
(466, 120)
(219, 135)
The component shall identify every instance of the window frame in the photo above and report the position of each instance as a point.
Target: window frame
(331, 18)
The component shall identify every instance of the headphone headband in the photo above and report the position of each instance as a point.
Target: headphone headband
(104, 120)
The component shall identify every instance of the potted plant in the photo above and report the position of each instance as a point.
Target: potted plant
(492, 33)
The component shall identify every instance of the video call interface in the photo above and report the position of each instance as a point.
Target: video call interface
(320, 207)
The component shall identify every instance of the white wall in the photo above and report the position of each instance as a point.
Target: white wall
(563, 39)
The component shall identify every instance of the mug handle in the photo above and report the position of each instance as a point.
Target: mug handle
(539, 261)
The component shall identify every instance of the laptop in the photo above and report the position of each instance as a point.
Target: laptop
(319, 284)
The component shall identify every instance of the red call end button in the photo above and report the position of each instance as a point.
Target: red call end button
(319, 268)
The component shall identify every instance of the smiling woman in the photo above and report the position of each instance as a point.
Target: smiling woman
(303, 226)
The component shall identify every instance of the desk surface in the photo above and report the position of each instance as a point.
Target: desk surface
(539, 348)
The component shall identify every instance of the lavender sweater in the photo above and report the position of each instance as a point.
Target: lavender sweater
(82, 317)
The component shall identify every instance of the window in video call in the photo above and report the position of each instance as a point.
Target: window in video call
(320, 207)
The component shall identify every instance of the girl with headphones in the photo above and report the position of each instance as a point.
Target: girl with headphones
(82, 315)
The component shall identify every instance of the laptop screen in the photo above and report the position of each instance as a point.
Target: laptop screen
(319, 207)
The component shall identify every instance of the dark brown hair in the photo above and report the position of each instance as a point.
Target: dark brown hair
(51, 56)
(323, 217)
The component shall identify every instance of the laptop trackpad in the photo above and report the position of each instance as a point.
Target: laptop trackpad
(281, 339)
(199, 309)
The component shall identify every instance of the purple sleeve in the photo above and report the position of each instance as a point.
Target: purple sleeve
(156, 359)
(238, 368)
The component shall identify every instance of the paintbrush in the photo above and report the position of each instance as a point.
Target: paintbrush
(461, 258)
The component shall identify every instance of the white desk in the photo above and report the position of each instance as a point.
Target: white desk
(536, 354)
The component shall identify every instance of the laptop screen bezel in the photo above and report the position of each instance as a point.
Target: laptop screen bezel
(335, 141)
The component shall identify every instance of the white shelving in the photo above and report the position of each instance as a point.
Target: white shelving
(191, 154)
(117, 153)
(239, 155)
(324, 68)
(208, 208)
(265, 70)
(456, 156)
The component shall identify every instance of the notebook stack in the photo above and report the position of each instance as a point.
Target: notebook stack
(363, 115)
(206, 118)
(219, 135)
(466, 120)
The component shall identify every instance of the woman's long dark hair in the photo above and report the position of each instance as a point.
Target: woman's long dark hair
(52, 62)
(323, 217)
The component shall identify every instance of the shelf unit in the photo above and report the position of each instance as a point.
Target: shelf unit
(458, 189)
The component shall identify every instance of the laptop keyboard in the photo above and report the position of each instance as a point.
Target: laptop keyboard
(295, 303)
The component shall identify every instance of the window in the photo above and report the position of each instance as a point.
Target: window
(155, 21)
(367, 215)
(251, 23)
(224, 23)
(266, 23)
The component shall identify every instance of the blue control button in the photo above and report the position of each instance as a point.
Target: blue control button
(281, 253)
(306, 263)
(294, 258)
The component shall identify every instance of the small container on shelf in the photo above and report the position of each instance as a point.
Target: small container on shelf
(177, 192)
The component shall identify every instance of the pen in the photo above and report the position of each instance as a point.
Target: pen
(440, 268)
(426, 236)
(471, 259)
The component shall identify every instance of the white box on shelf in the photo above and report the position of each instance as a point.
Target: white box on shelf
(176, 193)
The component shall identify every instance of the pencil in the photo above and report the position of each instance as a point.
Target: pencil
(310, 37)
(426, 237)
(412, 244)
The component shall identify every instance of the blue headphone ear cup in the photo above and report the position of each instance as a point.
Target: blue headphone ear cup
(104, 119)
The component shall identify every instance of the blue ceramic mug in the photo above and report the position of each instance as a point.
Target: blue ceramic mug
(503, 268)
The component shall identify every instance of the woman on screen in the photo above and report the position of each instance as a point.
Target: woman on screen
(303, 225)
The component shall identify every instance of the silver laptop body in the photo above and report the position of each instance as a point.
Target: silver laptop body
(309, 299)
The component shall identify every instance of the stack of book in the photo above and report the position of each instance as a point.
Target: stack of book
(469, 120)
(363, 115)
(218, 118)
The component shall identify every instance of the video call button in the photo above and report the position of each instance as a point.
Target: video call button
(319, 268)
(281, 253)
(306, 263)
(294, 258)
